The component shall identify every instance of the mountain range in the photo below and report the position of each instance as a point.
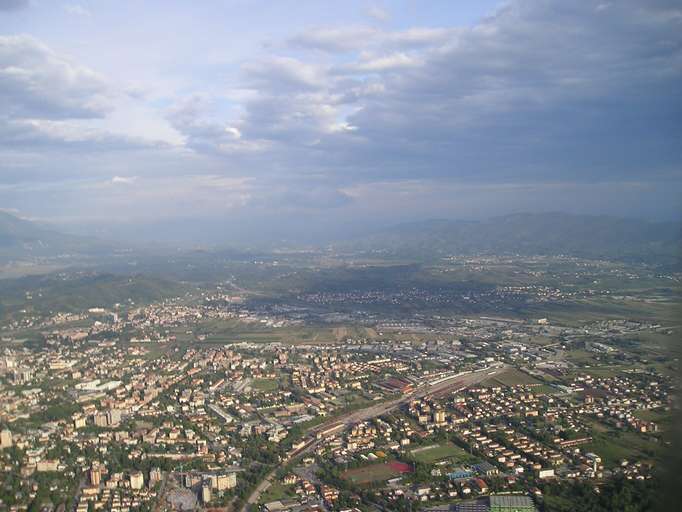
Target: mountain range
(533, 234)
(585, 236)
(22, 239)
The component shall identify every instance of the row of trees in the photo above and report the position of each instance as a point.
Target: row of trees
(616, 494)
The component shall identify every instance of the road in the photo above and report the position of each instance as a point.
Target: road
(455, 383)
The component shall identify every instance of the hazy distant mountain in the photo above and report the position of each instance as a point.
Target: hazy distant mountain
(20, 239)
(553, 233)
(526, 233)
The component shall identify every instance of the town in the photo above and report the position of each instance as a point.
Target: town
(137, 408)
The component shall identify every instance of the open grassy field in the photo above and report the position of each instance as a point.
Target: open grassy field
(596, 371)
(277, 491)
(344, 332)
(664, 419)
(613, 446)
(265, 384)
(581, 311)
(437, 452)
(545, 389)
(582, 357)
(511, 377)
(375, 472)
(658, 342)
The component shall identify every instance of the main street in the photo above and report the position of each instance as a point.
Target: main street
(317, 437)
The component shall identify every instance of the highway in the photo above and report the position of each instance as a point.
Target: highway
(455, 383)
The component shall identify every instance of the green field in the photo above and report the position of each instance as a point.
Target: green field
(277, 491)
(599, 371)
(265, 385)
(582, 357)
(511, 377)
(613, 446)
(545, 389)
(663, 419)
(436, 452)
(579, 312)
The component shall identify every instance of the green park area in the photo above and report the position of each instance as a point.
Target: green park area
(277, 492)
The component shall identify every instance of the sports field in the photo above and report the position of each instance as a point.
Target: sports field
(436, 452)
(376, 472)
(265, 385)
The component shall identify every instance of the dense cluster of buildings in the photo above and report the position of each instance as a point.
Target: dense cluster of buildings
(134, 408)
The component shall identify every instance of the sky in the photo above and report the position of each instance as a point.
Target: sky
(301, 116)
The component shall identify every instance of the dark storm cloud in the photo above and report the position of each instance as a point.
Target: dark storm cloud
(541, 90)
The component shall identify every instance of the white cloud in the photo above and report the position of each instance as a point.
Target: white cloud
(363, 38)
(335, 39)
(421, 36)
(378, 13)
(385, 63)
(123, 180)
(283, 73)
(36, 82)
(537, 91)
(42, 135)
(77, 10)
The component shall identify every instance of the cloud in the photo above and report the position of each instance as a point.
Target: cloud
(77, 10)
(538, 92)
(335, 39)
(35, 82)
(12, 5)
(44, 135)
(283, 73)
(384, 63)
(421, 37)
(123, 180)
(364, 119)
(189, 117)
(363, 38)
(378, 14)
(50, 103)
